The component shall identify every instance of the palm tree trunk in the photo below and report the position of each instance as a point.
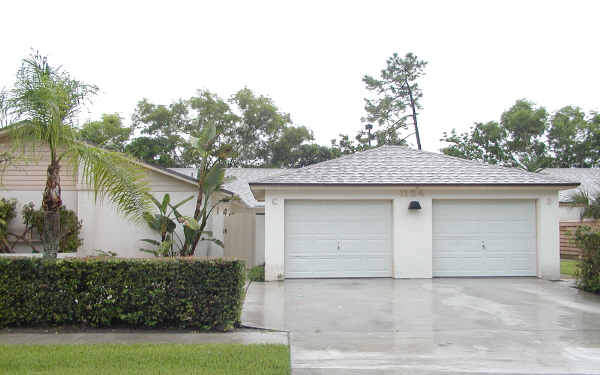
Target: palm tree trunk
(51, 203)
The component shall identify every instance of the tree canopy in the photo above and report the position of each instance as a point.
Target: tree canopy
(261, 134)
(529, 137)
(108, 133)
(395, 93)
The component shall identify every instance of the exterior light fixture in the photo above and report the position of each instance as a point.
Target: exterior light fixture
(414, 205)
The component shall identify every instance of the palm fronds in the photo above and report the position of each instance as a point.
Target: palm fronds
(113, 176)
(590, 204)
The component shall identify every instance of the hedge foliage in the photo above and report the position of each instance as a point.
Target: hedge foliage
(204, 294)
(588, 272)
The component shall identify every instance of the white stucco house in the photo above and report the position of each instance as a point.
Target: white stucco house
(590, 183)
(397, 212)
(239, 224)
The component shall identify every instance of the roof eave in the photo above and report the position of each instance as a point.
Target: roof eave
(554, 184)
(258, 188)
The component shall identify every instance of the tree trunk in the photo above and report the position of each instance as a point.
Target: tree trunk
(51, 203)
(414, 115)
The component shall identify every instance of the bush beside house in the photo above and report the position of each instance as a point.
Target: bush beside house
(33, 219)
(588, 273)
(195, 293)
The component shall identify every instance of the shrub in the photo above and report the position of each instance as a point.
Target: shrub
(257, 273)
(588, 273)
(195, 293)
(8, 211)
(70, 226)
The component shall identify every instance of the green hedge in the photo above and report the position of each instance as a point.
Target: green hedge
(204, 294)
(588, 272)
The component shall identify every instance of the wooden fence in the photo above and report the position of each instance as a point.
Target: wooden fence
(568, 248)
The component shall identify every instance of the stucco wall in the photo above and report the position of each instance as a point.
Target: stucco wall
(412, 230)
(569, 212)
(259, 240)
(103, 227)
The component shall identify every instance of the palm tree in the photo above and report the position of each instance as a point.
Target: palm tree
(43, 105)
(590, 204)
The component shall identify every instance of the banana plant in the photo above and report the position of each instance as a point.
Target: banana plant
(211, 156)
(165, 223)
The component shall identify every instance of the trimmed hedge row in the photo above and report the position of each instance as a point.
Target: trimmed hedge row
(204, 294)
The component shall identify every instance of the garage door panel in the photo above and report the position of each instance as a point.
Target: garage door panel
(318, 264)
(508, 244)
(505, 228)
(446, 227)
(355, 236)
(454, 245)
(373, 247)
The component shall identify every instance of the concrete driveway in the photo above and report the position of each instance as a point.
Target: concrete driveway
(445, 326)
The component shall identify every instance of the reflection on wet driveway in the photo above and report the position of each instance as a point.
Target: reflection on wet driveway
(460, 325)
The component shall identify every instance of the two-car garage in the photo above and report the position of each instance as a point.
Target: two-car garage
(345, 238)
(396, 212)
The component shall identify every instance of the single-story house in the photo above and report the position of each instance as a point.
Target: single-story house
(397, 212)
(590, 184)
(239, 224)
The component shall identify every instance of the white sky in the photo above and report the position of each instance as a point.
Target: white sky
(310, 56)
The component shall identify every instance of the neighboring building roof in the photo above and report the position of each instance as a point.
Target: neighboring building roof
(400, 165)
(239, 185)
(588, 177)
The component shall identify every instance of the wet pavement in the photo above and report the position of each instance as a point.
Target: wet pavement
(439, 326)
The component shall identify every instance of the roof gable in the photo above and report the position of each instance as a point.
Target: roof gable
(400, 165)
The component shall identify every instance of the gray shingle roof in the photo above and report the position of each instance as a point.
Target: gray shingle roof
(239, 185)
(588, 177)
(399, 165)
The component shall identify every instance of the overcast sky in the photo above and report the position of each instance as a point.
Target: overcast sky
(310, 56)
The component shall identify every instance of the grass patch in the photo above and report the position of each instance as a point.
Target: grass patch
(256, 273)
(568, 266)
(144, 359)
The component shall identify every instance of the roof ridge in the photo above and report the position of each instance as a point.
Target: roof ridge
(485, 164)
(308, 167)
(395, 164)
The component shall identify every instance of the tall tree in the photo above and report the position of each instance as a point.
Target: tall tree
(161, 142)
(45, 100)
(292, 150)
(484, 142)
(260, 126)
(527, 137)
(575, 137)
(260, 133)
(395, 93)
(108, 133)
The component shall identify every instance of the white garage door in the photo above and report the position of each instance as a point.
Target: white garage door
(338, 238)
(484, 238)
